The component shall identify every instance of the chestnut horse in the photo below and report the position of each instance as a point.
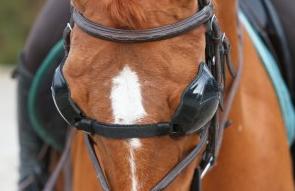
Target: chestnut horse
(142, 83)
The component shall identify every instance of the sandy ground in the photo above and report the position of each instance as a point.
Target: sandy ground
(8, 136)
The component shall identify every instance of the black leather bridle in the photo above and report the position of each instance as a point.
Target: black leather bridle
(147, 35)
(217, 56)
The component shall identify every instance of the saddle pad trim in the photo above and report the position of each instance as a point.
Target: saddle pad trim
(273, 71)
(53, 54)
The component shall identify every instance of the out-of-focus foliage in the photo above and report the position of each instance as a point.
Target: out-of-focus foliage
(16, 18)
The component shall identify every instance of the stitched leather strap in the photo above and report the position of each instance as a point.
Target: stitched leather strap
(99, 172)
(155, 34)
(169, 177)
(172, 174)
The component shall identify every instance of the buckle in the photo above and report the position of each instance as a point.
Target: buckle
(66, 36)
(212, 22)
(207, 167)
(69, 27)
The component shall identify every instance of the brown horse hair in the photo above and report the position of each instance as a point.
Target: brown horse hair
(126, 14)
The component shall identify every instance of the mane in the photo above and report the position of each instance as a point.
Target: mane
(126, 13)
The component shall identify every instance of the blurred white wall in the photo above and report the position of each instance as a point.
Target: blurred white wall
(8, 132)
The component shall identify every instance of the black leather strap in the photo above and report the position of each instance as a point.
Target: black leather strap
(196, 184)
(147, 35)
(124, 131)
(99, 172)
(169, 177)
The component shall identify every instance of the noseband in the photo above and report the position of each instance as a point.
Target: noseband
(197, 112)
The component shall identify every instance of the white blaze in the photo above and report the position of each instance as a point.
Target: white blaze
(126, 97)
(134, 144)
(128, 109)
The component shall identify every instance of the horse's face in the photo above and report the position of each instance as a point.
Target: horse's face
(135, 84)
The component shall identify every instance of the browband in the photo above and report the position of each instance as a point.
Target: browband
(146, 35)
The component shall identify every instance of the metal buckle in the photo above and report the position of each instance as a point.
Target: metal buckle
(212, 20)
(207, 167)
(69, 26)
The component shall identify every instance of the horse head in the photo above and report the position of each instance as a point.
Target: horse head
(156, 89)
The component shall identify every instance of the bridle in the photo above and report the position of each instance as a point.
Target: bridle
(211, 131)
(147, 35)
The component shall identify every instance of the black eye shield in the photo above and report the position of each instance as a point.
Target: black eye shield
(197, 107)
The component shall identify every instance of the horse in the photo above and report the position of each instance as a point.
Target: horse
(143, 83)
(117, 83)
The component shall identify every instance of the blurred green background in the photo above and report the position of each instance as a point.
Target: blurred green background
(16, 19)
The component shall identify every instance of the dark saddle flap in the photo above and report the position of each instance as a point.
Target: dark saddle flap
(266, 21)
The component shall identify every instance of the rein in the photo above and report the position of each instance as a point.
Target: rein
(166, 180)
(217, 56)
